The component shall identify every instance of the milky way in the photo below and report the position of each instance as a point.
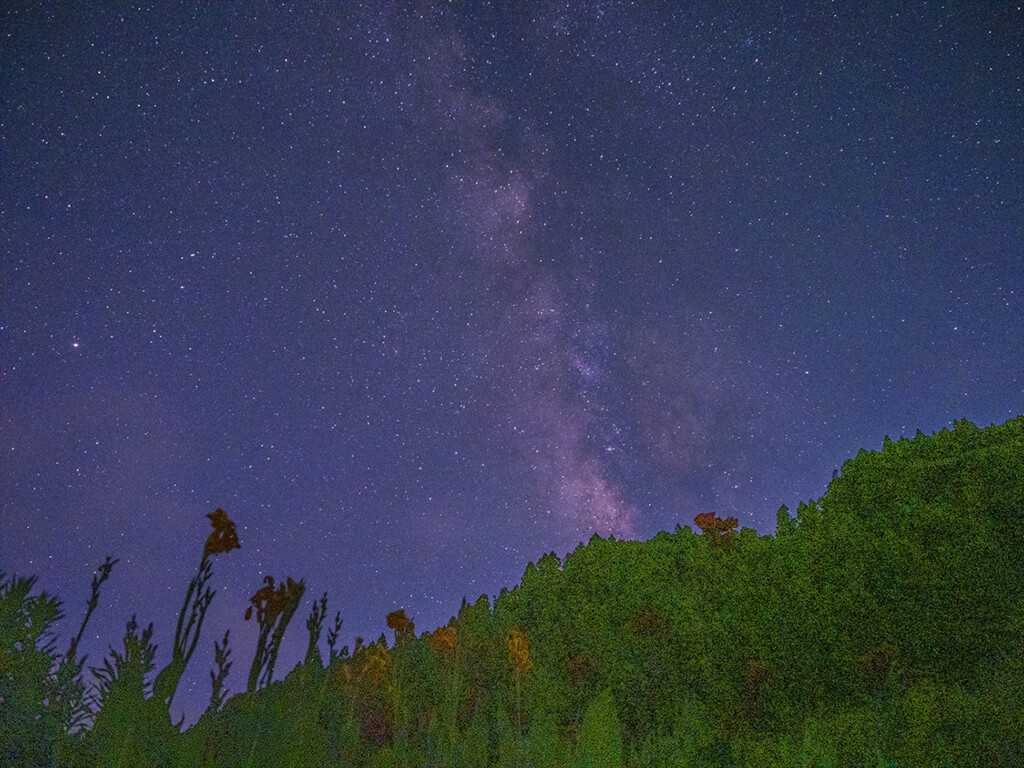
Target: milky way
(419, 292)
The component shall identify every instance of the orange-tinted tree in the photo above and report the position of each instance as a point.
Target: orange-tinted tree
(274, 610)
(402, 625)
(719, 530)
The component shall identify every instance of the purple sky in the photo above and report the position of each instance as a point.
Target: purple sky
(419, 292)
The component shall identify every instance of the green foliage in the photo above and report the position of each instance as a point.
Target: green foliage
(28, 729)
(881, 626)
(474, 748)
(545, 747)
(130, 728)
(600, 742)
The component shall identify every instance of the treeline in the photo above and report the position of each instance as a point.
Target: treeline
(883, 625)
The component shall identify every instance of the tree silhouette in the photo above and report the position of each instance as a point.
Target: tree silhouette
(274, 610)
(222, 539)
(719, 530)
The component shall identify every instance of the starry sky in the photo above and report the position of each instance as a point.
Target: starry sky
(418, 292)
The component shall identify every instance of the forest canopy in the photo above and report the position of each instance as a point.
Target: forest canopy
(880, 625)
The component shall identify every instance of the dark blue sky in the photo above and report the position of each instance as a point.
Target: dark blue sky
(420, 292)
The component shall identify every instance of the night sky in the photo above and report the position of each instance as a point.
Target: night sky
(420, 292)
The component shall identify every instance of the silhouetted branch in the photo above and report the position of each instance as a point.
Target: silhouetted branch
(198, 597)
(274, 610)
(101, 575)
(314, 624)
(332, 636)
(222, 660)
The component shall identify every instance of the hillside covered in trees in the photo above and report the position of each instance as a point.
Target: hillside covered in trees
(882, 625)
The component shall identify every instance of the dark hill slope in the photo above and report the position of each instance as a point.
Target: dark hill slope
(883, 622)
(882, 625)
